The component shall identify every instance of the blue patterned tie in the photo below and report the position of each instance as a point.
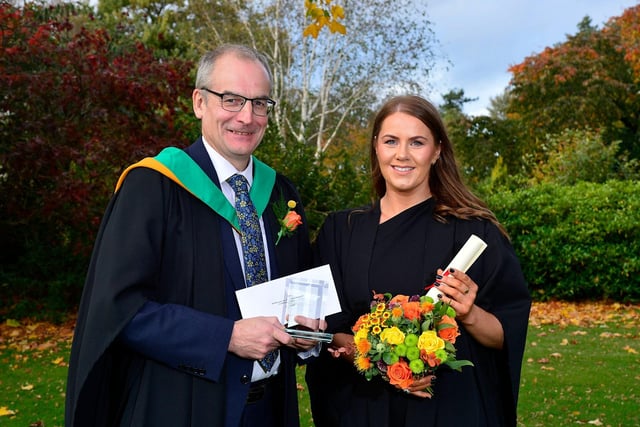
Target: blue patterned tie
(255, 266)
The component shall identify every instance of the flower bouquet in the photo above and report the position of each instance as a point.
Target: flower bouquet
(405, 338)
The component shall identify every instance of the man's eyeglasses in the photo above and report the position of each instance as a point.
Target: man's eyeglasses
(234, 103)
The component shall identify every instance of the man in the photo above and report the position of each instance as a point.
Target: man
(159, 339)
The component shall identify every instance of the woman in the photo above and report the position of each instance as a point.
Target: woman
(398, 245)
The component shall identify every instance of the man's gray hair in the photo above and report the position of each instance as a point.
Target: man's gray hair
(208, 62)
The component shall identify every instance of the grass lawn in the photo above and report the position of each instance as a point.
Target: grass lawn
(581, 367)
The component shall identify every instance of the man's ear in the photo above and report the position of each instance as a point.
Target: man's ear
(199, 103)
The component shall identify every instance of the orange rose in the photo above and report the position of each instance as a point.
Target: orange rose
(448, 333)
(411, 310)
(292, 220)
(400, 374)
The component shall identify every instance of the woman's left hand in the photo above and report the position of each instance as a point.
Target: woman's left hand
(459, 291)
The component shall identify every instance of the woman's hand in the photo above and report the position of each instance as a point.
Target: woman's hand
(343, 346)
(459, 291)
(419, 386)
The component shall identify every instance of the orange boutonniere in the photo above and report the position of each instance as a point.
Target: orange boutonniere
(288, 218)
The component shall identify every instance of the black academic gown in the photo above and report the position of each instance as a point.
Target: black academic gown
(158, 243)
(484, 395)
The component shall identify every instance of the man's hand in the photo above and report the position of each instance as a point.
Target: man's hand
(253, 338)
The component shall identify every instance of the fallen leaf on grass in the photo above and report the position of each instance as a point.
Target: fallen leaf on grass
(562, 314)
(595, 422)
(45, 346)
(4, 411)
(58, 361)
(610, 335)
(13, 323)
(630, 349)
(27, 387)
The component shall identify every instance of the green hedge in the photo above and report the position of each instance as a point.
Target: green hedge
(579, 242)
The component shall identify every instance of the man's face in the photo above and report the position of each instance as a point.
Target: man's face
(235, 135)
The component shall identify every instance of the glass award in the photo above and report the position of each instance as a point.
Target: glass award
(304, 297)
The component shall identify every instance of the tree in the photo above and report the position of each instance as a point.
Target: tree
(322, 83)
(76, 108)
(155, 23)
(481, 142)
(338, 78)
(581, 156)
(586, 81)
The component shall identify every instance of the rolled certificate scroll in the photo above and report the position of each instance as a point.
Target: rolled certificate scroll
(467, 255)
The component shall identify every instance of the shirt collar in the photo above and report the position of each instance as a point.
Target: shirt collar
(224, 169)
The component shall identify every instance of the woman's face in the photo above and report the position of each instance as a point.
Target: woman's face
(406, 150)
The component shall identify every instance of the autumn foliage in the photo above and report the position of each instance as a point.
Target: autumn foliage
(75, 108)
(590, 80)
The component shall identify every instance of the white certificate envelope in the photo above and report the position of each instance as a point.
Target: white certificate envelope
(274, 298)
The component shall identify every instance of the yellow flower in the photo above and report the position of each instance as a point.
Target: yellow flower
(393, 336)
(291, 204)
(361, 335)
(429, 341)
